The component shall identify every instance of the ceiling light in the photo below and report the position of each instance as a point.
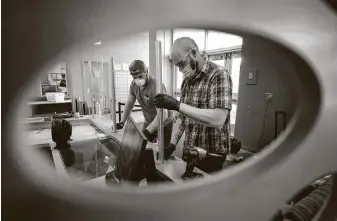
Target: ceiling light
(97, 43)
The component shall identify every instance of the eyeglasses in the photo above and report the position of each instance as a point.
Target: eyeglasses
(182, 64)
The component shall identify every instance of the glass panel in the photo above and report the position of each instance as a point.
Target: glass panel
(197, 35)
(96, 84)
(87, 83)
(89, 159)
(97, 80)
(100, 81)
(221, 40)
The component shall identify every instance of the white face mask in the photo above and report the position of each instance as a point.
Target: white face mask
(140, 82)
(188, 71)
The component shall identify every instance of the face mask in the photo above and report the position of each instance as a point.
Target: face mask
(140, 82)
(188, 71)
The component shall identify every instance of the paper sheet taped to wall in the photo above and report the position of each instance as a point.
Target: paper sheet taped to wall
(125, 67)
(118, 67)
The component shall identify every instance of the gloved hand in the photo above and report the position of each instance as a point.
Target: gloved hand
(167, 102)
(168, 151)
(120, 125)
(150, 137)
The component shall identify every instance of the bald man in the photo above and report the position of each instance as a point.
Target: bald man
(206, 101)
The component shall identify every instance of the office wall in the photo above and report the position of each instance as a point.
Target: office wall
(123, 50)
(275, 75)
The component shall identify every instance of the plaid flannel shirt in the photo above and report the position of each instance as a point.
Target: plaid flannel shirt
(210, 89)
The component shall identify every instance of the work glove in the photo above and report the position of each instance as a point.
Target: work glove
(150, 137)
(168, 151)
(167, 102)
(120, 125)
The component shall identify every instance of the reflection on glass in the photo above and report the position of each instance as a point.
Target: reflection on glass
(89, 159)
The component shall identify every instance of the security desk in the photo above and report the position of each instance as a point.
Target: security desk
(86, 132)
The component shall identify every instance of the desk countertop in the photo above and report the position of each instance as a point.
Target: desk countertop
(41, 119)
(48, 102)
(173, 168)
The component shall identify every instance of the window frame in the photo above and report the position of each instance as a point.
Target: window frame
(232, 48)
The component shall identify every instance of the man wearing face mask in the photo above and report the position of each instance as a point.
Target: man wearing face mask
(206, 101)
(143, 89)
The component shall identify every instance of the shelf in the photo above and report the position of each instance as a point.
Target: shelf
(48, 102)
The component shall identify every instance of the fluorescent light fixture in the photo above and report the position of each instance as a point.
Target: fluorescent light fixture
(98, 43)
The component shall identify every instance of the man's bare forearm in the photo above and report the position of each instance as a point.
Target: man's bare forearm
(204, 124)
(210, 117)
(153, 126)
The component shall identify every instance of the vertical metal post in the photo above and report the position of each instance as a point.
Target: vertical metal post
(73, 104)
(103, 91)
(80, 106)
(113, 95)
(159, 110)
(119, 111)
(92, 91)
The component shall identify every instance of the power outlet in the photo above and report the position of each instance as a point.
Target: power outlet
(251, 76)
(269, 96)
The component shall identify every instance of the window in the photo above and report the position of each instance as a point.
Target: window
(233, 113)
(236, 62)
(179, 79)
(220, 40)
(219, 62)
(197, 35)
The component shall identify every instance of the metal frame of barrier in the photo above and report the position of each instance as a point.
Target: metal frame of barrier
(120, 104)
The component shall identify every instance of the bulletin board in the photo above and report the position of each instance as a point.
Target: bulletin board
(123, 81)
(55, 80)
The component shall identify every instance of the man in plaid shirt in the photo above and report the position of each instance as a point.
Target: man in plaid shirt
(206, 101)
